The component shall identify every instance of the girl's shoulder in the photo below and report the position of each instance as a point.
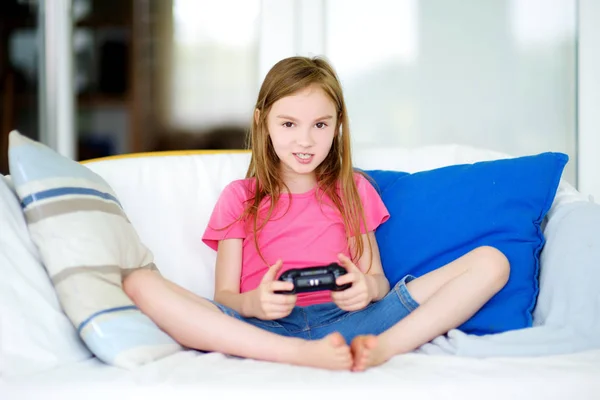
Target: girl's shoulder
(362, 180)
(365, 185)
(241, 189)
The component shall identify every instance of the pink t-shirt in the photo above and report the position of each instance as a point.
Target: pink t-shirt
(308, 233)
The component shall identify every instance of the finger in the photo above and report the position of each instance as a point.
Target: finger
(279, 285)
(278, 309)
(272, 271)
(290, 299)
(354, 303)
(346, 294)
(279, 298)
(286, 299)
(348, 278)
(360, 298)
(352, 306)
(277, 315)
(346, 262)
(271, 315)
(344, 306)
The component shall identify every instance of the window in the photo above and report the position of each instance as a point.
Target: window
(213, 77)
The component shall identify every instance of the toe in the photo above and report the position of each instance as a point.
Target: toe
(370, 342)
(337, 340)
(357, 344)
(361, 358)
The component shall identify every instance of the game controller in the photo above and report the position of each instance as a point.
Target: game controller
(313, 279)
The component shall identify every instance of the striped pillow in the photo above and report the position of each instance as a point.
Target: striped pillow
(87, 245)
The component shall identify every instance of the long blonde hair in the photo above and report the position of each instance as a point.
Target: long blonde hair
(285, 78)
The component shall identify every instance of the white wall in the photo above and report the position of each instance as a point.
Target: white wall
(496, 74)
(500, 74)
(589, 98)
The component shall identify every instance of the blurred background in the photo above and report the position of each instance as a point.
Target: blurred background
(150, 75)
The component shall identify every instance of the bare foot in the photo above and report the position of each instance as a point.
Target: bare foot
(331, 352)
(367, 353)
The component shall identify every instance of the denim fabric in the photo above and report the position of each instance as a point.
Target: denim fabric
(319, 320)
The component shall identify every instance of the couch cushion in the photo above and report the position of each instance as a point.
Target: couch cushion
(86, 244)
(441, 214)
(179, 191)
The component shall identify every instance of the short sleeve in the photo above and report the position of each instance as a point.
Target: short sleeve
(376, 213)
(225, 221)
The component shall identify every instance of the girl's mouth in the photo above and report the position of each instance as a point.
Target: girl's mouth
(303, 158)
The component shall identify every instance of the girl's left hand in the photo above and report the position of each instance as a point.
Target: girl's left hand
(359, 295)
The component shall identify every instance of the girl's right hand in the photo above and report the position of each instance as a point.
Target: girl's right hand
(268, 305)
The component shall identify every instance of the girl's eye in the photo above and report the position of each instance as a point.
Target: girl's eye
(321, 125)
(288, 124)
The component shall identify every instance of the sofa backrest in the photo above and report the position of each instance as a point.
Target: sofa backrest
(169, 197)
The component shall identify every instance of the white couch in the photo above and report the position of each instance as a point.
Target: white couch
(168, 199)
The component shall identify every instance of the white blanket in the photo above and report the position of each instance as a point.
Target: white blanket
(567, 315)
(192, 375)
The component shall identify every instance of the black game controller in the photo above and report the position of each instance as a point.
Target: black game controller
(313, 279)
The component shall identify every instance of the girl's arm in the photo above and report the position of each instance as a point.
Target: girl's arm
(227, 277)
(378, 284)
(261, 302)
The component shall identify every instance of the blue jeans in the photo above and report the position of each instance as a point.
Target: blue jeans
(319, 320)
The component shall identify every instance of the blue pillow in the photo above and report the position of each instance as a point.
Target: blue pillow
(439, 215)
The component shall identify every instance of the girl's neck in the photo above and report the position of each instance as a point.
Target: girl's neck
(299, 183)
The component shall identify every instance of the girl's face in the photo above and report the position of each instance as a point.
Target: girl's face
(302, 128)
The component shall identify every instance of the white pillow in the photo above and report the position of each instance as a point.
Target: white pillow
(35, 334)
(87, 245)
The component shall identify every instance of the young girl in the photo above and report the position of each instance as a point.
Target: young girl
(302, 205)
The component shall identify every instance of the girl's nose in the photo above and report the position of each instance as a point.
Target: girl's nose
(305, 138)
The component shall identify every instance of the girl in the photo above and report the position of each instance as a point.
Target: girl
(303, 205)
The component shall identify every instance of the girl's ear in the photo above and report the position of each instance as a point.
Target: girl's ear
(256, 116)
